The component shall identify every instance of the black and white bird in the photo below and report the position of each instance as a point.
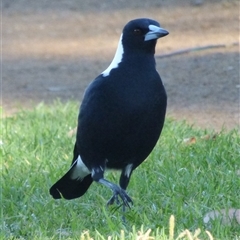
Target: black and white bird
(121, 116)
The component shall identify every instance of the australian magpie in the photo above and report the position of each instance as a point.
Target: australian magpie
(121, 116)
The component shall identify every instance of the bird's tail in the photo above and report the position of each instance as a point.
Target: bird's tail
(72, 185)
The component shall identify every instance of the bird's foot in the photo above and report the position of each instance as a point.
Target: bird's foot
(113, 199)
(117, 192)
(126, 200)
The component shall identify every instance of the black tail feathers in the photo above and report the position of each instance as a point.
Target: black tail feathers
(70, 188)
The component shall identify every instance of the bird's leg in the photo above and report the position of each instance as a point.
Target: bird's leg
(125, 203)
(125, 178)
(117, 192)
(97, 175)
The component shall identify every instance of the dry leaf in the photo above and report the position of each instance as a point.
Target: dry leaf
(72, 132)
(210, 137)
(226, 216)
(191, 140)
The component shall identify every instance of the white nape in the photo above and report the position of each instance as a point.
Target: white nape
(80, 170)
(116, 60)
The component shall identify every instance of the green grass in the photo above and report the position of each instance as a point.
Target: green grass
(180, 179)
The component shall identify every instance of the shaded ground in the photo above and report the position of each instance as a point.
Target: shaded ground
(53, 49)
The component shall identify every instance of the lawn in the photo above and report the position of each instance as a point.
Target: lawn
(190, 172)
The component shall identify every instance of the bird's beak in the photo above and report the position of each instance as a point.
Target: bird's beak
(155, 33)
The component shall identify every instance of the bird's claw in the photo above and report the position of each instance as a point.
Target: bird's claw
(112, 200)
(126, 200)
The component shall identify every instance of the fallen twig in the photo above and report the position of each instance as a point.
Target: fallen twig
(187, 50)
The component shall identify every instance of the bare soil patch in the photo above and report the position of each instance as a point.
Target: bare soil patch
(53, 49)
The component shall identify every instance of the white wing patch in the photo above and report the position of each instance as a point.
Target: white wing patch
(116, 60)
(80, 170)
(128, 170)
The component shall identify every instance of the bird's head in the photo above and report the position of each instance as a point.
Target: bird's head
(141, 35)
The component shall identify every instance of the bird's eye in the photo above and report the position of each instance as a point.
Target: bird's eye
(137, 31)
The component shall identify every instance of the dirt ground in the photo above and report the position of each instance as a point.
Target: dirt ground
(53, 49)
